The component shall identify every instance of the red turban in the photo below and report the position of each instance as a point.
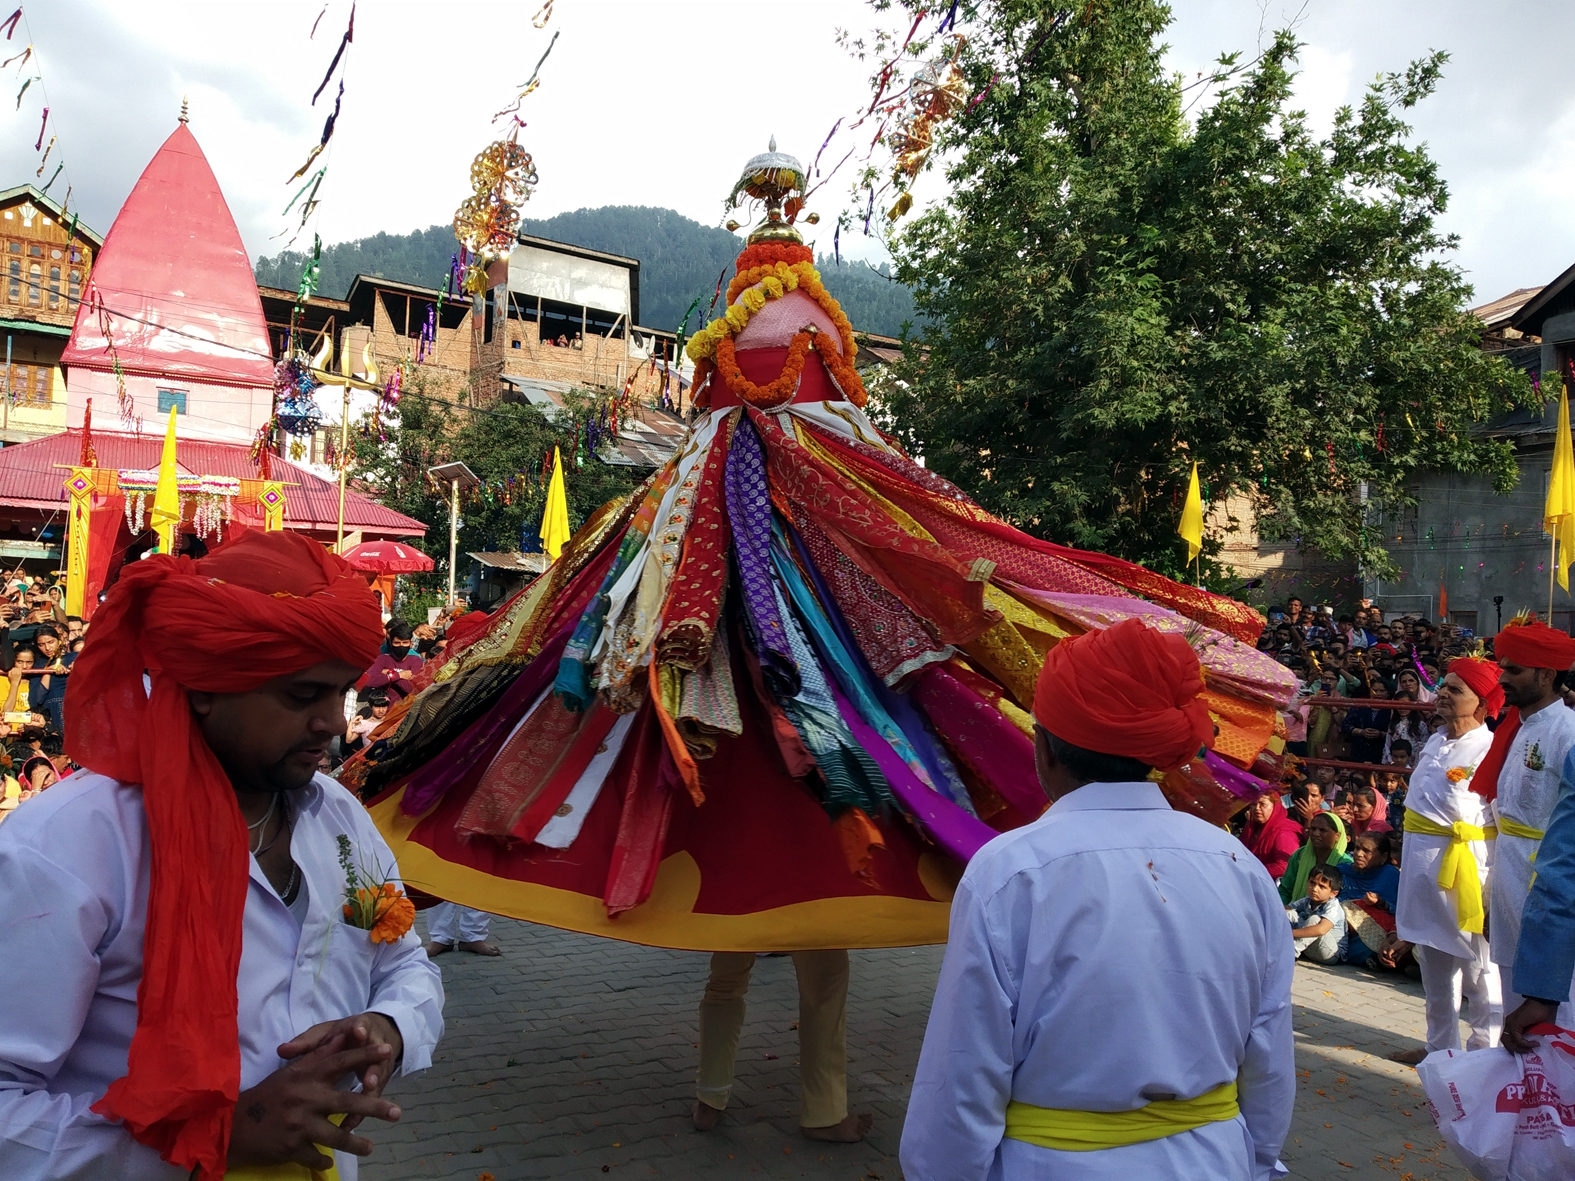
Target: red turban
(263, 606)
(1482, 678)
(1534, 645)
(1128, 690)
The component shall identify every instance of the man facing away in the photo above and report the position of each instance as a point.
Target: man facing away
(187, 994)
(1534, 742)
(1115, 997)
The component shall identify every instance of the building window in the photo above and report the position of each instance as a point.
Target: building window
(75, 288)
(175, 398)
(29, 385)
(14, 280)
(54, 287)
(35, 284)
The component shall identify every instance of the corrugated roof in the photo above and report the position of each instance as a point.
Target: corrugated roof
(1502, 309)
(29, 478)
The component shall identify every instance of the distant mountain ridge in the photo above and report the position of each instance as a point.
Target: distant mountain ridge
(679, 260)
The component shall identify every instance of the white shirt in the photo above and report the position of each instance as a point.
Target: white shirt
(1110, 953)
(74, 880)
(1425, 913)
(1528, 787)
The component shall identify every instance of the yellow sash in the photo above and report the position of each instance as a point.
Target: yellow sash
(1457, 870)
(1087, 1131)
(1516, 829)
(288, 1172)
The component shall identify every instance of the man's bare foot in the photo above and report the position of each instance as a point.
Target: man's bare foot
(437, 947)
(705, 1116)
(481, 947)
(1409, 1057)
(850, 1131)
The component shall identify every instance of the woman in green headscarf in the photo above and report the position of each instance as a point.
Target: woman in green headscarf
(1325, 846)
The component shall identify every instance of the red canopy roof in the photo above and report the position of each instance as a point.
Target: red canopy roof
(31, 478)
(175, 280)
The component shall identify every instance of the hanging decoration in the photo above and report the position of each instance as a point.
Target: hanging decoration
(209, 499)
(936, 93)
(487, 223)
(295, 410)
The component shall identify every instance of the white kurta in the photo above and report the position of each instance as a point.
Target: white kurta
(1424, 913)
(74, 879)
(1528, 787)
(1111, 953)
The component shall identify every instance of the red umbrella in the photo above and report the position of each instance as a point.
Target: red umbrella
(387, 557)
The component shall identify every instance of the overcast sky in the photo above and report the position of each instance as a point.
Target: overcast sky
(652, 103)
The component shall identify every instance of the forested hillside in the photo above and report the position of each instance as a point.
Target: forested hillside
(679, 259)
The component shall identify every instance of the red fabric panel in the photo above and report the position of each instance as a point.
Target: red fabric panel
(108, 540)
(763, 366)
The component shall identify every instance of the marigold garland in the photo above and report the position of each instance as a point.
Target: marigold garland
(748, 293)
(782, 390)
(764, 397)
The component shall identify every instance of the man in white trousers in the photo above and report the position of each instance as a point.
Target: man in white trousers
(1115, 997)
(1440, 908)
(450, 925)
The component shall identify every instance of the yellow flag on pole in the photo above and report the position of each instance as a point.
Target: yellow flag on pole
(555, 521)
(1191, 526)
(166, 499)
(1558, 516)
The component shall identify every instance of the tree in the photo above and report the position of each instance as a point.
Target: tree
(504, 445)
(1114, 291)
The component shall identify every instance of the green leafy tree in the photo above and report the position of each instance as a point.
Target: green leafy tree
(1115, 289)
(502, 443)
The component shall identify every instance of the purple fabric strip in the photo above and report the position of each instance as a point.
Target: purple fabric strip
(998, 750)
(749, 515)
(949, 826)
(1233, 779)
(485, 736)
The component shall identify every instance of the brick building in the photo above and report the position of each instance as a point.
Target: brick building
(47, 261)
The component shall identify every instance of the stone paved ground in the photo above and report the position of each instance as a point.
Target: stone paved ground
(573, 1057)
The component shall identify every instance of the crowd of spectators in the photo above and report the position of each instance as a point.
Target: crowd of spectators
(38, 644)
(1332, 841)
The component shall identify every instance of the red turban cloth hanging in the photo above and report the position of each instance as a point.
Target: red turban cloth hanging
(1481, 677)
(263, 606)
(1534, 645)
(1128, 690)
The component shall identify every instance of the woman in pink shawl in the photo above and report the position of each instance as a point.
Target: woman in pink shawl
(1364, 809)
(1270, 833)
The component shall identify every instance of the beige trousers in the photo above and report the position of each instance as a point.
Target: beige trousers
(822, 1031)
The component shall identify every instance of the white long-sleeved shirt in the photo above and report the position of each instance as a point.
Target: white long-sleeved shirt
(73, 904)
(1425, 912)
(1111, 953)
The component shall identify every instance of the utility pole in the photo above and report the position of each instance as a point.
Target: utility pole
(456, 476)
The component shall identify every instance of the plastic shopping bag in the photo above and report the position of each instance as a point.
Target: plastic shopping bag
(1508, 1117)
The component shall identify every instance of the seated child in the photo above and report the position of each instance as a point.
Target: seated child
(1318, 920)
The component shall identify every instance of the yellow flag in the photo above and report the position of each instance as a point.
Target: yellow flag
(1191, 526)
(1558, 516)
(166, 499)
(555, 521)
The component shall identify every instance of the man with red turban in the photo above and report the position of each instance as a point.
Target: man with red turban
(1530, 748)
(1051, 1049)
(198, 976)
(1440, 905)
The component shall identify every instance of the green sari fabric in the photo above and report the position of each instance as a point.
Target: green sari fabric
(1293, 883)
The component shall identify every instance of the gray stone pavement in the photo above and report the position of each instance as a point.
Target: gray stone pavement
(573, 1057)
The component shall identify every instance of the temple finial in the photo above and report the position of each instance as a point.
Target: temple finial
(184, 118)
(773, 145)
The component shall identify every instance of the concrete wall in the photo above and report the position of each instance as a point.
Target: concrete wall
(1475, 544)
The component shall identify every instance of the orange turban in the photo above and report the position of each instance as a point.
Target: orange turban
(1128, 690)
(263, 606)
(1481, 677)
(1534, 645)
